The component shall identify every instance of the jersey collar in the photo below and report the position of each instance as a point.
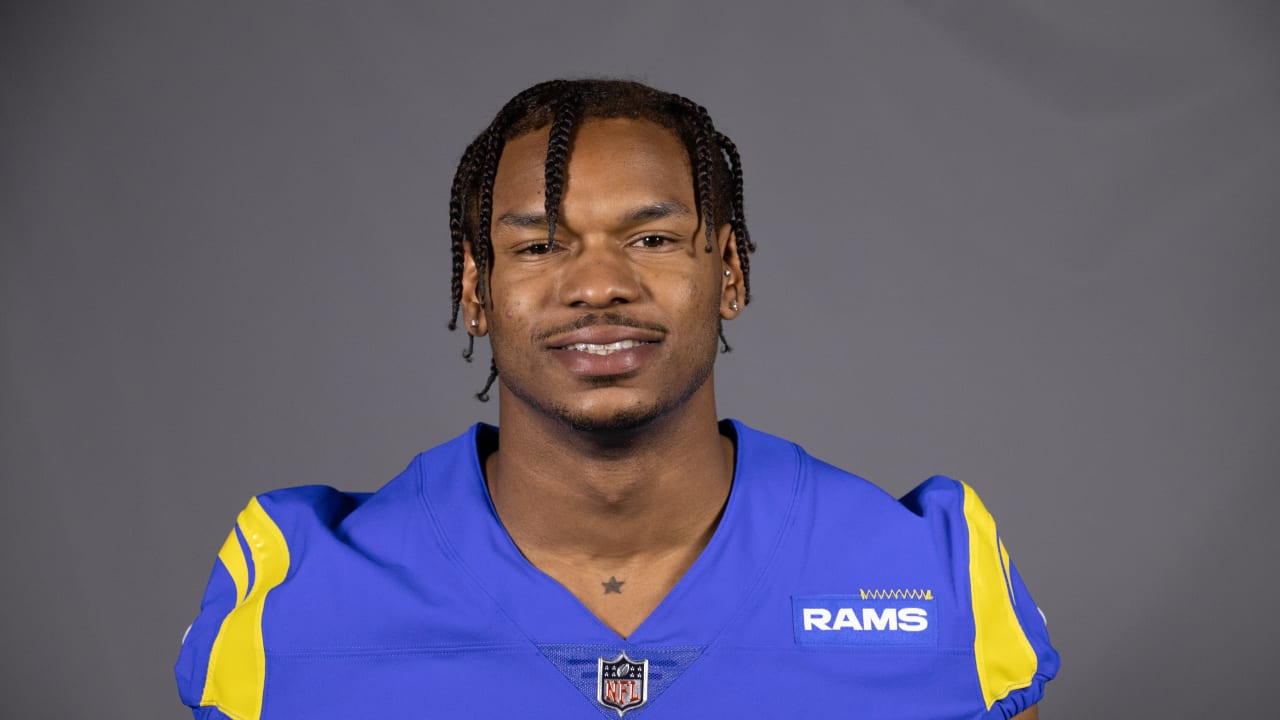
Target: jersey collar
(718, 584)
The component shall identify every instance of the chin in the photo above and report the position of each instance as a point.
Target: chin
(607, 409)
(621, 422)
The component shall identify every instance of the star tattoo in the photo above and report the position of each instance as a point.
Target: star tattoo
(614, 585)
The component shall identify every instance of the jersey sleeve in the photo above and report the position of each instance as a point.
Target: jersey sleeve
(221, 669)
(1013, 657)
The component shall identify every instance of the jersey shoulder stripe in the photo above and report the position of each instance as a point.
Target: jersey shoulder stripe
(1004, 656)
(236, 672)
(222, 668)
(1013, 657)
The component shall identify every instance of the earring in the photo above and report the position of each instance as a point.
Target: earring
(733, 305)
(474, 323)
(728, 273)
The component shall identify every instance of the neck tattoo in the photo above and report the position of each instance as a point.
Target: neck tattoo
(613, 585)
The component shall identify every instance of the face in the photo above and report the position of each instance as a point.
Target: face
(613, 324)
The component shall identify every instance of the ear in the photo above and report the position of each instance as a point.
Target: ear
(472, 302)
(732, 295)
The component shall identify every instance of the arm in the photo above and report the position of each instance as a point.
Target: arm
(1011, 644)
(1013, 656)
(221, 669)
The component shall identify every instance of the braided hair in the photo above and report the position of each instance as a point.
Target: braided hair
(562, 105)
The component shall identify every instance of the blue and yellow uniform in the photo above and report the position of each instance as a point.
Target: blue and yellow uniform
(818, 596)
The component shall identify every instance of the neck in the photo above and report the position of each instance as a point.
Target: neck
(570, 496)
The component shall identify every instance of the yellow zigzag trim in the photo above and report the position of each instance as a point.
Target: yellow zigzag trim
(895, 594)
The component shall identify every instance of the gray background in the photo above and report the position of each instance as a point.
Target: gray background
(1031, 245)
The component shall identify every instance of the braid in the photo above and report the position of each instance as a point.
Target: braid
(559, 106)
(738, 216)
(484, 240)
(702, 133)
(457, 231)
(483, 395)
(557, 157)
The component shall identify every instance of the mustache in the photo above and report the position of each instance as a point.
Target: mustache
(604, 318)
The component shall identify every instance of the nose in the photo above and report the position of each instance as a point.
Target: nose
(599, 276)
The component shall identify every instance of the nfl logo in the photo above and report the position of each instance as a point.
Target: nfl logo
(622, 683)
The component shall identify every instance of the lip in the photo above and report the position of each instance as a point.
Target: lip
(627, 361)
(618, 363)
(603, 335)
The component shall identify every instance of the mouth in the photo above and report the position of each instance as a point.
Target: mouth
(605, 338)
(603, 351)
(605, 348)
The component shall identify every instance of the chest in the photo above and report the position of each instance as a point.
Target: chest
(570, 681)
(835, 635)
(621, 595)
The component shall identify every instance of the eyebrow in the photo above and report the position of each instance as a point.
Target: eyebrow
(657, 211)
(644, 213)
(523, 219)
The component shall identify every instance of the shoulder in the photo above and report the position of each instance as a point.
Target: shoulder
(943, 513)
(937, 548)
(310, 569)
(222, 660)
(303, 558)
(1013, 656)
(826, 493)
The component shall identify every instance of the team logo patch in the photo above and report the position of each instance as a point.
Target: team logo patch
(622, 683)
(893, 617)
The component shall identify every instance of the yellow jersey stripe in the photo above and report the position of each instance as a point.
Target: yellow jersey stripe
(1008, 576)
(237, 662)
(232, 558)
(1005, 659)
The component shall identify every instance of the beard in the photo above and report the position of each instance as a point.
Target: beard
(623, 421)
(626, 421)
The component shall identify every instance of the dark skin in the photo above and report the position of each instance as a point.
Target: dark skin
(610, 466)
(612, 474)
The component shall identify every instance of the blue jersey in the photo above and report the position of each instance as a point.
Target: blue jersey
(817, 596)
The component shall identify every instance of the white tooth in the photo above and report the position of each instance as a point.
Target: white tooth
(606, 349)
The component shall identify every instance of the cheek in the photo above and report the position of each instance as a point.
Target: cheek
(513, 302)
(517, 307)
(510, 318)
(698, 299)
(513, 323)
(703, 288)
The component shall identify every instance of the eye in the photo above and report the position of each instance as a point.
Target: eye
(537, 248)
(655, 241)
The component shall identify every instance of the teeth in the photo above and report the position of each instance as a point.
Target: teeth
(604, 349)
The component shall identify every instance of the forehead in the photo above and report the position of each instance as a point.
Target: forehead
(612, 158)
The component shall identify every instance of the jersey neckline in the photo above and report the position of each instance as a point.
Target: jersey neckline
(714, 588)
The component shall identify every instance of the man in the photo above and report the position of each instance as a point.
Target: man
(615, 549)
